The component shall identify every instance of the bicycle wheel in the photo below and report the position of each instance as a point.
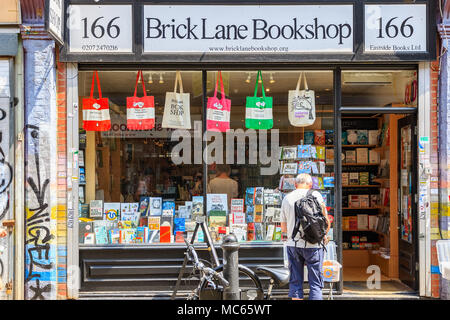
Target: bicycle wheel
(249, 284)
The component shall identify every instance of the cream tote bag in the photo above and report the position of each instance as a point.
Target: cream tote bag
(302, 105)
(177, 113)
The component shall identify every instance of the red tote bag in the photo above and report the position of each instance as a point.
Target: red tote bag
(140, 111)
(96, 111)
(218, 110)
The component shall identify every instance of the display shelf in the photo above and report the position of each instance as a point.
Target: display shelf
(374, 231)
(361, 208)
(360, 164)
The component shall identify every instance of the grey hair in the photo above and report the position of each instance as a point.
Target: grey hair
(303, 178)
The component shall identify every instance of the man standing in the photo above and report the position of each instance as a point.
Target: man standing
(299, 251)
(222, 183)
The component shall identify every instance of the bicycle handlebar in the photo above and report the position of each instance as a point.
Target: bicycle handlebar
(201, 267)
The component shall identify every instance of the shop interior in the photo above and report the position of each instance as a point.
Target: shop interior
(124, 167)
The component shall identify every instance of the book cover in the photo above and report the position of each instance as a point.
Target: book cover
(321, 186)
(328, 182)
(249, 196)
(364, 178)
(239, 218)
(258, 231)
(289, 153)
(216, 204)
(319, 137)
(143, 206)
(362, 155)
(314, 167)
(322, 167)
(345, 181)
(373, 137)
(277, 234)
(182, 213)
(89, 238)
(364, 200)
(111, 211)
(363, 137)
(374, 156)
(188, 205)
(258, 213)
(96, 209)
(329, 156)
(179, 225)
(165, 232)
(344, 138)
(114, 236)
(127, 236)
(270, 232)
(329, 137)
(353, 223)
(304, 167)
(251, 231)
(155, 208)
(126, 224)
(84, 210)
(304, 151)
(268, 215)
(313, 152)
(166, 220)
(190, 225)
(352, 136)
(374, 200)
(131, 216)
(350, 156)
(125, 207)
(354, 201)
(315, 182)
(179, 236)
(217, 221)
(141, 235)
(197, 206)
(363, 221)
(308, 137)
(80, 158)
(288, 184)
(82, 176)
(143, 222)
(290, 167)
(239, 230)
(353, 178)
(320, 152)
(259, 195)
(372, 222)
(84, 228)
(153, 236)
(277, 215)
(168, 208)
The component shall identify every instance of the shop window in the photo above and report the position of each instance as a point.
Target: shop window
(265, 165)
(379, 88)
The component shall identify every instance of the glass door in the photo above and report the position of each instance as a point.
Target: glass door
(407, 142)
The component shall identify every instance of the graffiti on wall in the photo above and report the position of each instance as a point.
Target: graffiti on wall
(40, 256)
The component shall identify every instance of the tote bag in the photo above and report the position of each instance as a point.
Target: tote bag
(96, 111)
(302, 105)
(218, 110)
(258, 110)
(140, 111)
(176, 110)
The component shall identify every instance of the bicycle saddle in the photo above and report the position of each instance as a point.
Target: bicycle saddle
(279, 275)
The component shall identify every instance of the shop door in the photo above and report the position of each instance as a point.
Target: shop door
(407, 165)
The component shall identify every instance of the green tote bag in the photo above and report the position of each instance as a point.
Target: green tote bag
(258, 110)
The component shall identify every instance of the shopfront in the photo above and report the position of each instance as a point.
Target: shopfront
(134, 194)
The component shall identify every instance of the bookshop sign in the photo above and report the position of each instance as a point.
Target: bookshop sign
(215, 32)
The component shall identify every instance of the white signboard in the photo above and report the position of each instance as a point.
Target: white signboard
(248, 28)
(100, 29)
(54, 19)
(396, 28)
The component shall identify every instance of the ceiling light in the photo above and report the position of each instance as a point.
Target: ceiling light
(161, 78)
(271, 79)
(248, 78)
(327, 89)
(150, 80)
(267, 89)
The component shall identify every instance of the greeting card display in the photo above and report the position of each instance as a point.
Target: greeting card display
(96, 111)
(302, 105)
(177, 114)
(140, 111)
(258, 110)
(218, 110)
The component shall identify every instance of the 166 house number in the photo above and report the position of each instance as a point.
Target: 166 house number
(99, 29)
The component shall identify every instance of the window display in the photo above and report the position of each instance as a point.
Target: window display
(134, 191)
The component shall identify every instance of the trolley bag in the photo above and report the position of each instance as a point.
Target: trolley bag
(258, 110)
(140, 111)
(218, 110)
(302, 105)
(96, 111)
(176, 110)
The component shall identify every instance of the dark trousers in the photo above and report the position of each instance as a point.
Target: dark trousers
(313, 257)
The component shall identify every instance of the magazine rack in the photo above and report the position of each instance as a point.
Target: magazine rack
(201, 223)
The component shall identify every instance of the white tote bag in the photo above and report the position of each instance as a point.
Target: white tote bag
(302, 105)
(177, 113)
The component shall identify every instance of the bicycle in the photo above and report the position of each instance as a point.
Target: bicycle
(212, 283)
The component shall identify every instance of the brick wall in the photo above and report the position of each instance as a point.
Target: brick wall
(61, 141)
